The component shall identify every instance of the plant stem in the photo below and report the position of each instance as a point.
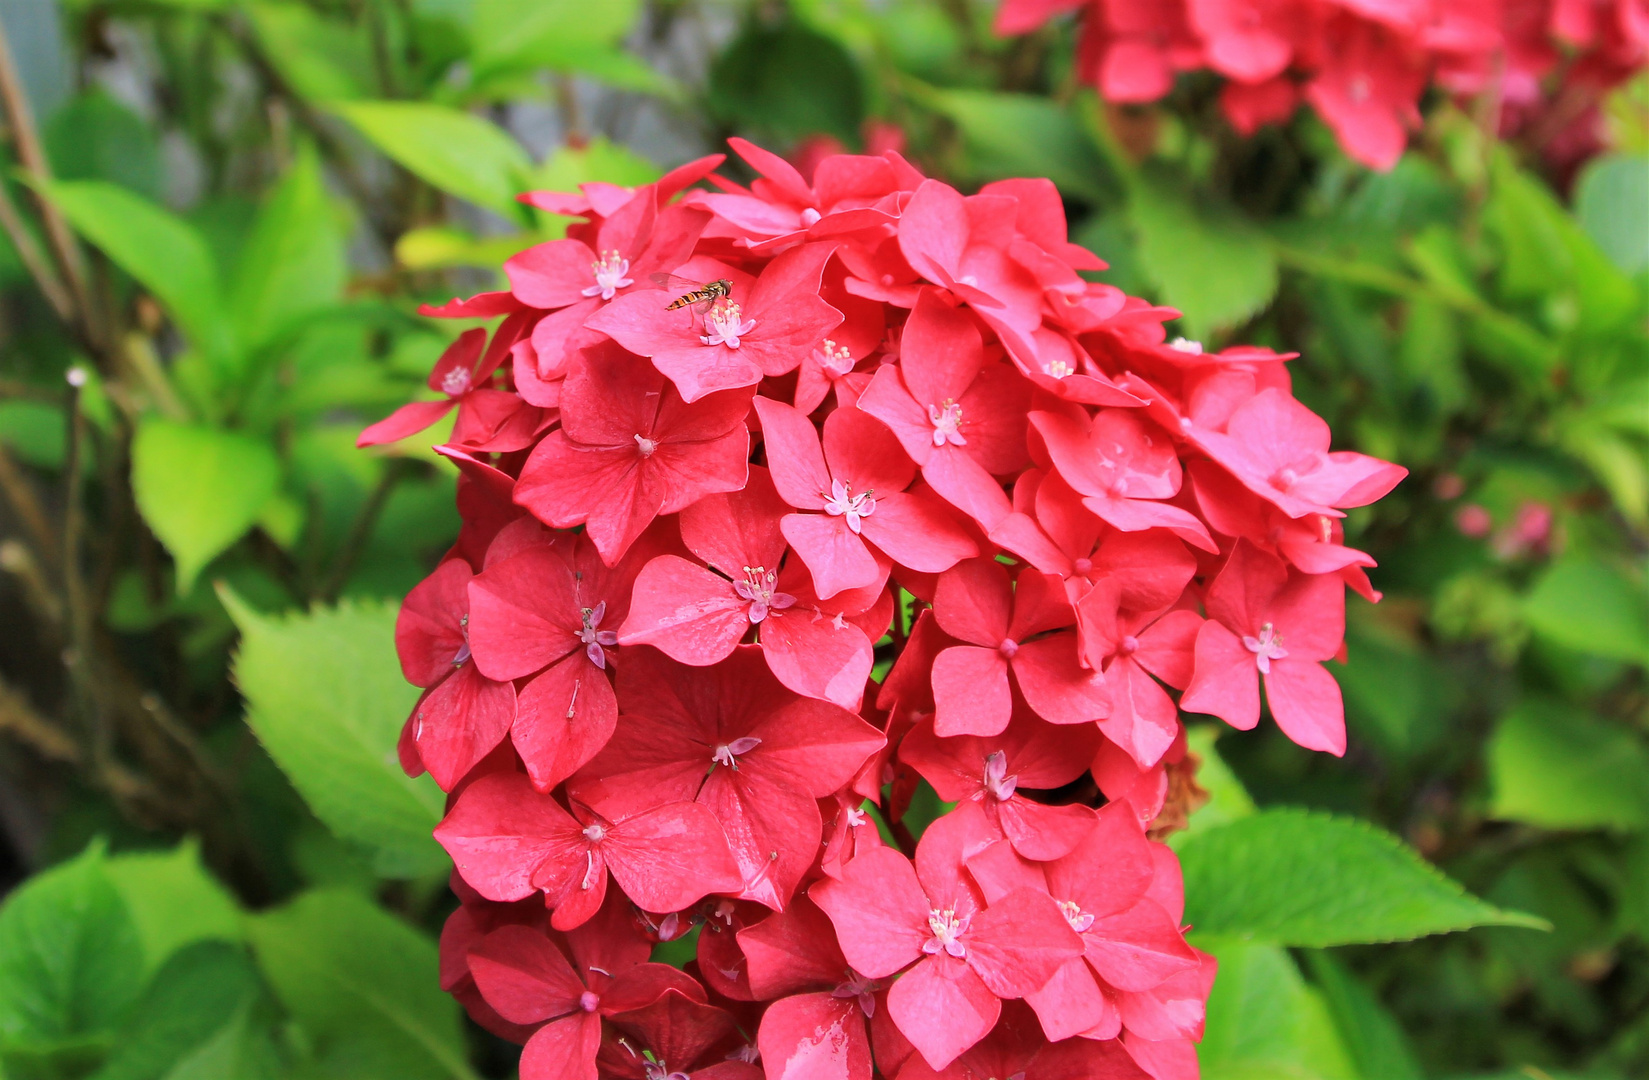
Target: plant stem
(33, 158)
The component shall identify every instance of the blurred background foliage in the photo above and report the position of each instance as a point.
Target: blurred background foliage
(220, 216)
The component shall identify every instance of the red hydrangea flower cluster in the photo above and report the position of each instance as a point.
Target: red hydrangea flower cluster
(1362, 64)
(900, 498)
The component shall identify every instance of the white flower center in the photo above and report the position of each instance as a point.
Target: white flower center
(1079, 919)
(455, 382)
(842, 503)
(998, 784)
(611, 275)
(728, 753)
(595, 833)
(947, 424)
(594, 639)
(1186, 345)
(835, 360)
(646, 446)
(1059, 368)
(1266, 648)
(725, 325)
(948, 928)
(759, 587)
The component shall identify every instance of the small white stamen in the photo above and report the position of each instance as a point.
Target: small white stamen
(1266, 648)
(727, 753)
(842, 503)
(758, 588)
(998, 784)
(1186, 345)
(594, 639)
(611, 275)
(948, 929)
(947, 424)
(725, 325)
(1079, 919)
(646, 446)
(455, 382)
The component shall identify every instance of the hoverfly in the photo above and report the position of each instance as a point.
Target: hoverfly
(700, 294)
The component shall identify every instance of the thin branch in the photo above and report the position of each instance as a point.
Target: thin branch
(361, 530)
(19, 719)
(34, 260)
(33, 158)
(19, 492)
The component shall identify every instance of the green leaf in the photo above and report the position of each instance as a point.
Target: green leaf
(1295, 877)
(324, 694)
(787, 82)
(324, 60)
(1208, 262)
(1228, 800)
(1265, 1022)
(199, 992)
(1612, 203)
(71, 965)
(162, 251)
(600, 159)
(35, 431)
(1372, 1037)
(503, 29)
(1019, 135)
(461, 154)
(96, 137)
(1558, 767)
(158, 885)
(243, 1049)
(1590, 607)
(364, 985)
(200, 488)
(293, 263)
(1547, 256)
(519, 36)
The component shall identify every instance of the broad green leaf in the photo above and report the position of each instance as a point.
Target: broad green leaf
(324, 60)
(1559, 767)
(787, 82)
(1265, 1022)
(1227, 799)
(1612, 203)
(190, 1001)
(600, 159)
(96, 137)
(1211, 264)
(1296, 877)
(457, 152)
(1019, 135)
(517, 36)
(324, 694)
(1547, 255)
(200, 488)
(163, 252)
(1590, 607)
(159, 885)
(293, 263)
(1373, 1039)
(440, 247)
(71, 965)
(364, 985)
(242, 1049)
(501, 29)
(35, 431)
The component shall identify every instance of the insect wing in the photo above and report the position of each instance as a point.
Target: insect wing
(675, 284)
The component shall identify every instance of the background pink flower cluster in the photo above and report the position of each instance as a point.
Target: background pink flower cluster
(651, 661)
(1361, 64)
